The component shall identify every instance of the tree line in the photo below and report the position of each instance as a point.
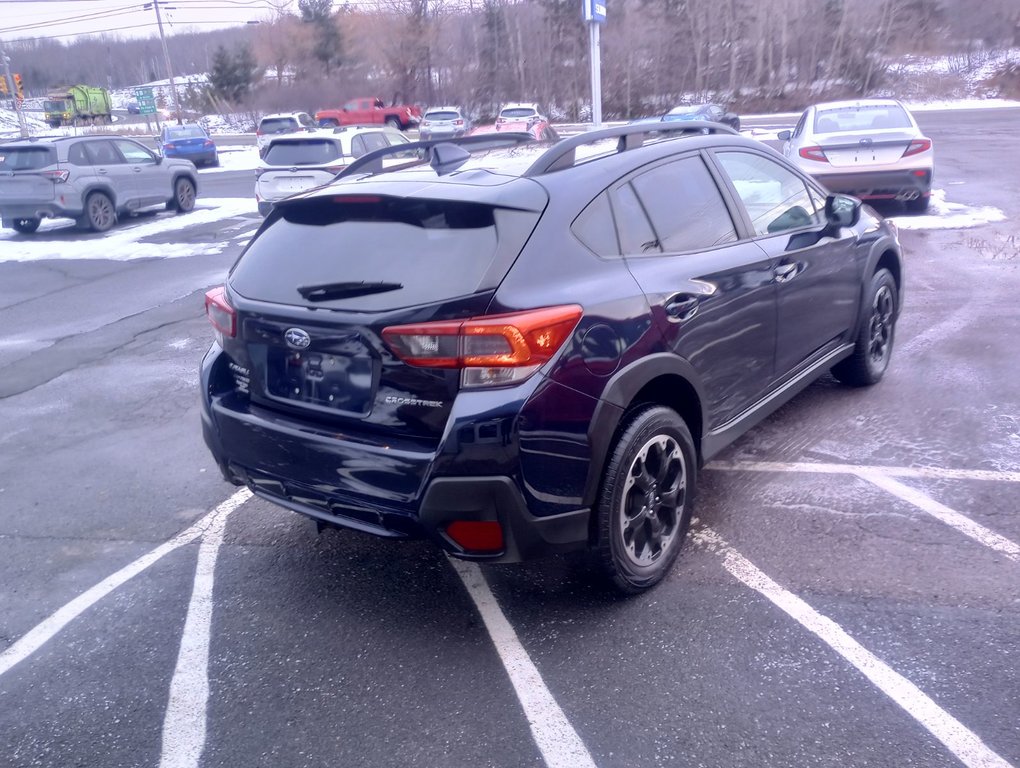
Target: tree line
(480, 53)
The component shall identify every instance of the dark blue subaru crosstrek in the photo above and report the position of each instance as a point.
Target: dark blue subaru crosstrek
(531, 349)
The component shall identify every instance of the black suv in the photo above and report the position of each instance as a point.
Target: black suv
(532, 349)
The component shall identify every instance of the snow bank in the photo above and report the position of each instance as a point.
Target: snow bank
(945, 215)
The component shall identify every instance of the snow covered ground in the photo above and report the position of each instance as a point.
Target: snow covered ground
(943, 214)
(125, 241)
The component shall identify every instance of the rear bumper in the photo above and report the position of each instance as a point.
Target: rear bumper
(41, 210)
(198, 158)
(394, 488)
(880, 185)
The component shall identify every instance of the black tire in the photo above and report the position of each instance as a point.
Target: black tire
(920, 205)
(100, 213)
(26, 226)
(394, 122)
(644, 508)
(874, 344)
(184, 196)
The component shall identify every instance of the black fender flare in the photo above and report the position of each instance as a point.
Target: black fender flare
(617, 397)
(882, 245)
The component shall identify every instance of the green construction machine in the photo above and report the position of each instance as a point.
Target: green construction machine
(77, 105)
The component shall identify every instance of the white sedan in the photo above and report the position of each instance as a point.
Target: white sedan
(870, 148)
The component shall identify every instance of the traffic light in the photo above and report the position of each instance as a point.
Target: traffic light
(18, 89)
(4, 90)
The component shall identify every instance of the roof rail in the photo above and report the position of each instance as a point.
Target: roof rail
(562, 154)
(372, 162)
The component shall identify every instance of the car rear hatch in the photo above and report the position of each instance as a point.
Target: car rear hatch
(867, 148)
(322, 408)
(295, 165)
(191, 145)
(29, 174)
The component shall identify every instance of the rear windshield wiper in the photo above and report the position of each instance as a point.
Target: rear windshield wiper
(330, 291)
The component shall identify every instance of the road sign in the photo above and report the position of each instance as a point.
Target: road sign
(595, 10)
(146, 101)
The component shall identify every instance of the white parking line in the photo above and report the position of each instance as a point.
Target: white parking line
(184, 726)
(35, 638)
(937, 473)
(559, 743)
(882, 477)
(961, 741)
(940, 512)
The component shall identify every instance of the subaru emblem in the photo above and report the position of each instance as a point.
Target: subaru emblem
(297, 338)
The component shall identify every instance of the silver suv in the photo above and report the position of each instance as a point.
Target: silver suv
(92, 179)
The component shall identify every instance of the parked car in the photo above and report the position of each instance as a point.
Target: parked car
(370, 111)
(93, 179)
(190, 142)
(398, 353)
(713, 113)
(521, 118)
(133, 108)
(871, 148)
(295, 163)
(443, 122)
(281, 124)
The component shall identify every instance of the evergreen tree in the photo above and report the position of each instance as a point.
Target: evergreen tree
(327, 47)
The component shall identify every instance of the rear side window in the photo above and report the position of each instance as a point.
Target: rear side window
(368, 142)
(26, 158)
(309, 152)
(594, 227)
(636, 235)
(278, 125)
(776, 199)
(422, 250)
(685, 206)
(103, 153)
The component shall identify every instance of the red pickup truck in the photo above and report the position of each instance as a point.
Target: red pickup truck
(369, 112)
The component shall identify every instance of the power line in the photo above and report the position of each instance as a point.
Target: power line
(95, 16)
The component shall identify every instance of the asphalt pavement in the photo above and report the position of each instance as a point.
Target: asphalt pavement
(850, 595)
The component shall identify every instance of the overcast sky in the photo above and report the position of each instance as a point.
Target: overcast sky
(64, 19)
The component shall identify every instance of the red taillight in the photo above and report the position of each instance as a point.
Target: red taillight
(493, 350)
(917, 146)
(220, 313)
(336, 168)
(169, 146)
(458, 122)
(57, 177)
(814, 153)
(207, 143)
(500, 120)
(260, 133)
(476, 535)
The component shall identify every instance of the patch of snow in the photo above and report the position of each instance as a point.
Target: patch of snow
(122, 243)
(930, 106)
(235, 158)
(945, 215)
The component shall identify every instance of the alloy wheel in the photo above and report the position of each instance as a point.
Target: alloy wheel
(652, 503)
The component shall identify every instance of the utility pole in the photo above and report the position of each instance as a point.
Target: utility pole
(166, 59)
(18, 106)
(594, 13)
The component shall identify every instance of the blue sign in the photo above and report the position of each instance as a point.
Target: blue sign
(595, 10)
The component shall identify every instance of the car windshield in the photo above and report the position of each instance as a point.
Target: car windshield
(865, 118)
(278, 125)
(307, 152)
(54, 106)
(447, 115)
(25, 158)
(517, 113)
(684, 112)
(186, 132)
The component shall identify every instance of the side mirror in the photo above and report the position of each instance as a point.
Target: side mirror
(842, 211)
(784, 135)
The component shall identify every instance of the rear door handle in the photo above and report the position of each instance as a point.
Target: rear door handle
(681, 307)
(786, 272)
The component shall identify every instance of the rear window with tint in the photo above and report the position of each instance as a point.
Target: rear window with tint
(869, 118)
(441, 116)
(310, 152)
(433, 249)
(517, 113)
(26, 158)
(278, 125)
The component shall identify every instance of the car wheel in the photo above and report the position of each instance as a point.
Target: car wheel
(25, 226)
(647, 496)
(874, 344)
(920, 205)
(393, 122)
(184, 196)
(100, 213)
